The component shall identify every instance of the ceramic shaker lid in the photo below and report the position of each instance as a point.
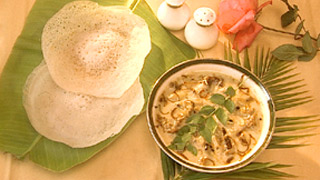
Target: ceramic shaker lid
(204, 16)
(175, 3)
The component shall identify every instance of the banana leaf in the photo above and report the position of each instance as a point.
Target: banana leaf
(17, 136)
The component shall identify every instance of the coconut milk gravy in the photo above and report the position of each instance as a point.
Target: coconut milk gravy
(187, 94)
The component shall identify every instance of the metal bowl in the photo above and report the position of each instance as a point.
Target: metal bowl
(230, 69)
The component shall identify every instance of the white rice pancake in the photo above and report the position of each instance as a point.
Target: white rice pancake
(95, 50)
(75, 119)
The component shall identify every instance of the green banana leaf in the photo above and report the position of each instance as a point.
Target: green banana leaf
(17, 136)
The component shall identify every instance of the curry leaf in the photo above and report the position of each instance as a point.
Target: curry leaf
(182, 138)
(307, 42)
(180, 146)
(186, 137)
(183, 130)
(221, 115)
(211, 124)
(192, 149)
(177, 139)
(195, 119)
(218, 99)
(178, 143)
(206, 134)
(193, 128)
(230, 91)
(288, 17)
(172, 146)
(229, 105)
(287, 52)
(206, 110)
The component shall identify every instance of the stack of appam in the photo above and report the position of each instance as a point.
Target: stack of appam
(87, 87)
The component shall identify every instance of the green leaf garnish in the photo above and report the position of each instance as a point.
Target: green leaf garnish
(211, 124)
(186, 137)
(177, 139)
(180, 141)
(192, 149)
(206, 134)
(229, 105)
(180, 146)
(307, 42)
(193, 128)
(218, 99)
(177, 144)
(172, 146)
(206, 110)
(183, 130)
(195, 119)
(221, 115)
(230, 91)
(287, 52)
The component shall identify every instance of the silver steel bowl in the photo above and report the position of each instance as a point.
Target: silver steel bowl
(230, 69)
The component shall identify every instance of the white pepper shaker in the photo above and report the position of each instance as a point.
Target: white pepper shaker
(201, 32)
(174, 14)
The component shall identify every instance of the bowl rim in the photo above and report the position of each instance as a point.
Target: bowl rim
(210, 169)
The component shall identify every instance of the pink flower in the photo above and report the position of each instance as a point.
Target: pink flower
(238, 17)
(244, 38)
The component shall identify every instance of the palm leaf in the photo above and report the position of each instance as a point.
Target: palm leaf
(279, 78)
(255, 170)
(168, 167)
(17, 136)
(247, 60)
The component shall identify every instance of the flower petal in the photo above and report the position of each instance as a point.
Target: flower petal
(245, 37)
(229, 13)
(248, 5)
(232, 11)
(243, 23)
(227, 20)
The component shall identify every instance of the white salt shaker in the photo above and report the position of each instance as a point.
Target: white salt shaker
(174, 14)
(201, 32)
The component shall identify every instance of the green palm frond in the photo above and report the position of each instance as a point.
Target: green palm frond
(253, 171)
(287, 91)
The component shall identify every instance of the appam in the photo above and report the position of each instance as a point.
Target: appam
(95, 50)
(76, 119)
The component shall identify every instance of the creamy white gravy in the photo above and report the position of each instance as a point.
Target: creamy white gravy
(187, 94)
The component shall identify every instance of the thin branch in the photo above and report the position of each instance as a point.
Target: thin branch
(280, 31)
(297, 36)
(288, 5)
